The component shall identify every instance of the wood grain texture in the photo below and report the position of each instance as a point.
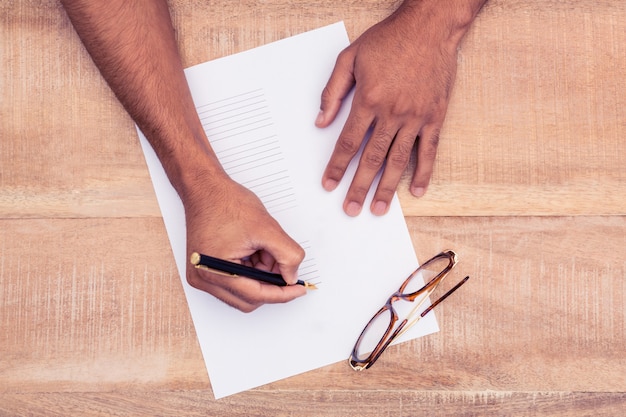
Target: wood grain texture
(89, 304)
(529, 188)
(535, 125)
(541, 322)
(321, 404)
(537, 119)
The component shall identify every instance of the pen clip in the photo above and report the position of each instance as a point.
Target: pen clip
(216, 271)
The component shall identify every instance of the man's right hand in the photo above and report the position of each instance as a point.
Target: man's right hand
(134, 46)
(228, 221)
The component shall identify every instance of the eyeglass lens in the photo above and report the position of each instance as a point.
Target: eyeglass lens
(373, 334)
(425, 274)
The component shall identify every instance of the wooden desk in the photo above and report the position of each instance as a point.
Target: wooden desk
(529, 188)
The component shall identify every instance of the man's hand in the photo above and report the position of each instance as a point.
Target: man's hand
(403, 70)
(227, 221)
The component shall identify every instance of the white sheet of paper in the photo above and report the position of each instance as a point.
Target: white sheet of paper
(258, 108)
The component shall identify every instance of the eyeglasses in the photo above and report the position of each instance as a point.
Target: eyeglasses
(384, 328)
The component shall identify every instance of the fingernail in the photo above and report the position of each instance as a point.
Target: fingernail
(330, 184)
(353, 209)
(320, 118)
(418, 191)
(380, 208)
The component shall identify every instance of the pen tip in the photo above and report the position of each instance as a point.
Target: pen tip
(310, 286)
(195, 258)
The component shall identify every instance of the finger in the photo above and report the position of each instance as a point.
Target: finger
(256, 293)
(348, 144)
(263, 260)
(281, 252)
(426, 153)
(243, 293)
(288, 265)
(397, 161)
(202, 280)
(371, 162)
(247, 294)
(337, 88)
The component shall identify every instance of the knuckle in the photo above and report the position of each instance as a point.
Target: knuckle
(359, 191)
(380, 147)
(335, 172)
(348, 145)
(344, 56)
(406, 146)
(404, 108)
(383, 136)
(386, 191)
(248, 308)
(326, 95)
(294, 257)
(429, 153)
(370, 98)
(246, 302)
(400, 154)
(429, 147)
(193, 278)
(398, 159)
(434, 139)
(377, 149)
(253, 300)
(373, 159)
(299, 255)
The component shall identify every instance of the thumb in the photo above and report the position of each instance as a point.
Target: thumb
(337, 88)
(289, 262)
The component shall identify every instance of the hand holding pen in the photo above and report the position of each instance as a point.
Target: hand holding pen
(231, 269)
(228, 221)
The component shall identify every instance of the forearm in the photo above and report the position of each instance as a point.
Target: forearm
(134, 47)
(132, 42)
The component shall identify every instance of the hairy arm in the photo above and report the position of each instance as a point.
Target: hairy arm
(134, 46)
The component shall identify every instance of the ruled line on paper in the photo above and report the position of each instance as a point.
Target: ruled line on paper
(308, 270)
(242, 133)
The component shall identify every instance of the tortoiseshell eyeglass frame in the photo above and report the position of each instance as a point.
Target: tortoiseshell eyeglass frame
(390, 334)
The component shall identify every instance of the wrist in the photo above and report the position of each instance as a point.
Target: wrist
(451, 18)
(192, 166)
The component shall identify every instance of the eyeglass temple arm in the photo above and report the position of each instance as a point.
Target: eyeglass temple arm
(443, 297)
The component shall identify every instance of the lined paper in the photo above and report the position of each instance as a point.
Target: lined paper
(258, 109)
(244, 137)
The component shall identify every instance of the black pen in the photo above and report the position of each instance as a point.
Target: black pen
(232, 269)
